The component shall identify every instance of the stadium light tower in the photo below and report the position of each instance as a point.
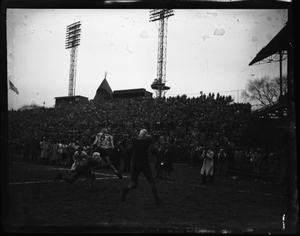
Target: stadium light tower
(72, 43)
(162, 16)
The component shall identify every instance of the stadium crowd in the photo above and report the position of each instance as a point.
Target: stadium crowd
(54, 133)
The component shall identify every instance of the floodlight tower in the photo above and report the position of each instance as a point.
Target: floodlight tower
(159, 83)
(72, 43)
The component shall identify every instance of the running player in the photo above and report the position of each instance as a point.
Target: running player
(140, 164)
(104, 143)
(83, 169)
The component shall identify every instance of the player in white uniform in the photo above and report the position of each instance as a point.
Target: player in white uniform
(104, 144)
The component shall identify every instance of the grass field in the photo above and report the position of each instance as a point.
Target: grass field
(37, 204)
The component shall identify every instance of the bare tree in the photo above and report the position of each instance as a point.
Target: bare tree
(264, 91)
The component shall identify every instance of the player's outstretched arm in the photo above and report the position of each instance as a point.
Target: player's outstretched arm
(112, 167)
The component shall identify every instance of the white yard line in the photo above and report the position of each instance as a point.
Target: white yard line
(109, 176)
(51, 181)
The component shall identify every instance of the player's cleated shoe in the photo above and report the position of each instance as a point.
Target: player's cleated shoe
(158, 200)
(119, 175)
(124, 194)
(57, 177)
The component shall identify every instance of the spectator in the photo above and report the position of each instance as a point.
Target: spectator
(72, 150)
(272, 165)
(117, 155)
(45, 145)
(160, 162)
(19, 147)
(50, 149)
(230, 159)
(168, 161)
(193, 154)
(263, 162)
(256, 161)
(127, 155)
(35, 149)
(207, 169)
(59, 151)
(248, 161)
(64, 155)
(221, 162)
(55, 153)
(215, 166)
(154, 150)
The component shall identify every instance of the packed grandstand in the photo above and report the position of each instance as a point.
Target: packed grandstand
(186, 122)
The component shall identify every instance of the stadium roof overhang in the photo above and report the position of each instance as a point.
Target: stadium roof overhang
(277, 45)
(70, 97)
(138, 90)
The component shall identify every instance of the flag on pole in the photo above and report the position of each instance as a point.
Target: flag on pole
(13, 88)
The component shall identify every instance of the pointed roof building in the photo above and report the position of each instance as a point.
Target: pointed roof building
(104, 91)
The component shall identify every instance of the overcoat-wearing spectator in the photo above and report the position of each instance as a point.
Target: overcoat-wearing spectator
(35, 149)
(64, 155)
(55, 153)
(117, 155)
(168, 163)
(221, 162)
(154, 150)
(59, 150)
(127, 155)
(159, 162)
(256, 161)
(45, 144)
(207, 166)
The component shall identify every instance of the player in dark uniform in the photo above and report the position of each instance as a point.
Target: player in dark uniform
(78, 157)
(84, 169)
(104, 145)
(140, 163)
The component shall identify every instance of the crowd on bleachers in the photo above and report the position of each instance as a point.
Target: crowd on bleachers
(185, 122)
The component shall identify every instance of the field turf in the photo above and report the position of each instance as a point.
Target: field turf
(231, 205)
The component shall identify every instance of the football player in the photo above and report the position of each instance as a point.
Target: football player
(78, 157)
(140, 163)
(104, 144)
(83, 169)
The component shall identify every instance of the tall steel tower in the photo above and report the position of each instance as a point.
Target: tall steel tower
(159, 83)
(72, 43)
